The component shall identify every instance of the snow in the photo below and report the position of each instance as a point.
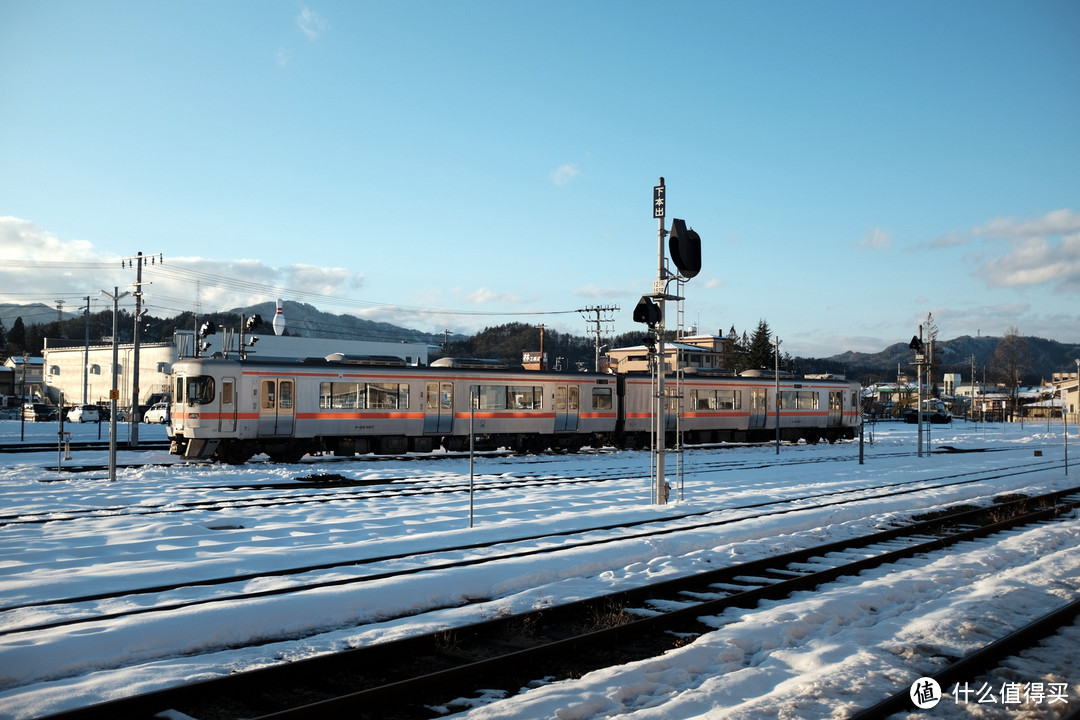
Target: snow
(817, 655)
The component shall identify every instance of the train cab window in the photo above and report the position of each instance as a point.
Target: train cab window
(601, 398)
(200, 390)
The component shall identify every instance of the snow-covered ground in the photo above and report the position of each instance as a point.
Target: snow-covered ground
(824, 654)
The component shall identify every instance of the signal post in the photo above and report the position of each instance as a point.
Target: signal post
(685, 246)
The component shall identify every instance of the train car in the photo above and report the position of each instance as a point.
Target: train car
(232, 409)
(720, 407)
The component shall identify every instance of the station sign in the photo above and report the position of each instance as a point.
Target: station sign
(658, 193)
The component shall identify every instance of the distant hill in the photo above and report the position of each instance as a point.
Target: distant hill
(1045, 358)
(305, 320)
(32, 314)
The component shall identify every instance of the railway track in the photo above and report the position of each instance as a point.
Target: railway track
(981, 662)
(563, 641)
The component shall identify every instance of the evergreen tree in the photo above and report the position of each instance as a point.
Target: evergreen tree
(760, 354)
(16, 337)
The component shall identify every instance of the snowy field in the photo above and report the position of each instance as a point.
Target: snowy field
(820, 655)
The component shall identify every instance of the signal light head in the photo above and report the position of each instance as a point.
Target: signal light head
(685, 248)
(647, 311)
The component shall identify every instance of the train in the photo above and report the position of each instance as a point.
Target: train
(231, 409)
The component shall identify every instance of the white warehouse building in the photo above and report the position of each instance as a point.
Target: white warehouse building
(66, 383)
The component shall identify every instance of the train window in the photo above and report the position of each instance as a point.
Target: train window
(179, 390)
(387, 396)
(340, 396)
(227, 391)
(269, 395)
(525, 397)
(200, 390)
(285, 394)
(716, 399)
(492, 397)
(836, 401)
(601, 398)
(798, 400)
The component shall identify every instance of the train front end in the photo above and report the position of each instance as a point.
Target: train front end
(204, 410)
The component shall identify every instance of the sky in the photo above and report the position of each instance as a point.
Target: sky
(851, 168)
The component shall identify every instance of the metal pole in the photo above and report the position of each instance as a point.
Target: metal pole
(661, 370)
(86, 354)
(135, 415)
(60, 434)
(113, 392)
(918, 411)
(776, 379)
(472, 421)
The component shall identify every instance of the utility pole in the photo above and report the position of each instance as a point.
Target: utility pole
(596, 326)
(137, 262)
(86, 353)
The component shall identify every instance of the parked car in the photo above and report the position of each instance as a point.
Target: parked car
(84, 413)
(158, 413)
(39, 412)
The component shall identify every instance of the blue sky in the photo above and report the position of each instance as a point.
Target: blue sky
(850, 166)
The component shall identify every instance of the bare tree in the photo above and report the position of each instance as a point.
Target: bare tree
(1010, 361)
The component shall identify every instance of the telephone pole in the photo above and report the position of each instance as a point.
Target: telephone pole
(137, 262)
(606, 310)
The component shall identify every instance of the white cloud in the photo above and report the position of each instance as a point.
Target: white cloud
(1040, 251)
(282, 57)
(482, 296)
(949, 240)
(875, 239)
(311, 23)
(36, 266)
(564, 174)
(1057, 222)
(595, 291)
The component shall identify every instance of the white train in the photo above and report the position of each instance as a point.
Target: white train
(232, 409)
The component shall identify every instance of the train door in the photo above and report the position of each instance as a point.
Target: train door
(227, 405)
(439, 408)
(836, 408)
(567, 407)
(759, 407)
(276, 406)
